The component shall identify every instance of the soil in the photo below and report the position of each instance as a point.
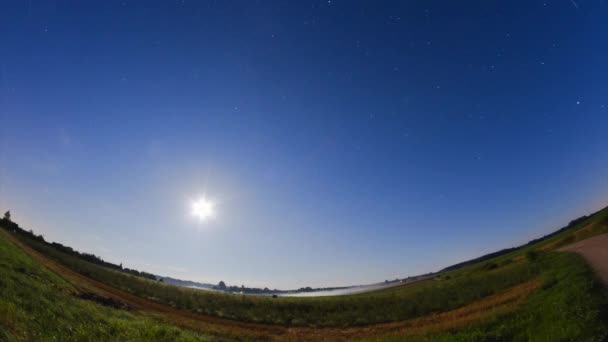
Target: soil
(595, 251)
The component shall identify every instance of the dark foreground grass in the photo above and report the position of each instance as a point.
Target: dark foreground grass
(38, 305)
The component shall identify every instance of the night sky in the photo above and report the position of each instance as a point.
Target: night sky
(343, 142)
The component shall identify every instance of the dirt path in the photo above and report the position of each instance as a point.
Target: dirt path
(501, 302)
(595, 251)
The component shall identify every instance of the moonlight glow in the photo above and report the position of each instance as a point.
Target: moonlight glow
(203, 209)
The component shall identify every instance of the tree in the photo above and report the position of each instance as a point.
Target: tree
(7, 215)
(221, 285)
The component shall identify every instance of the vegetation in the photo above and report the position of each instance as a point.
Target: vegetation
(37, 305)
(92, 258)
(571, 226)
(390, 305)
(571, 305)
(530, 293)
(448, 291)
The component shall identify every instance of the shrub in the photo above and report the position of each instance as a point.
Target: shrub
(532, 255)
(505, 262)
(489, 266)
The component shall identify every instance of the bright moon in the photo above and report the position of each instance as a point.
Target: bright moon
(203, 209)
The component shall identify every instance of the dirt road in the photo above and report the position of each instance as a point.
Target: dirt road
(595, 251)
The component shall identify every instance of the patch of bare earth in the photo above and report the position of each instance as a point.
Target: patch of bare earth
(595, 251)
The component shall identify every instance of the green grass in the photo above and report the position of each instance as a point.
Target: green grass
(571, 305)
(394, 304)
(453, 289)
(448, 291)
(38, 305)
(595, 225)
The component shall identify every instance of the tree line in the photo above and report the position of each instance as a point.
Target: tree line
(13, 227)
(570, 225)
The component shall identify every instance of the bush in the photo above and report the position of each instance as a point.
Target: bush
(488, 266)
(566, 241)
(505, 262)
(532, 255)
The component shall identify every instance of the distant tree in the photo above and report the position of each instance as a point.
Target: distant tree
(221, 285)
(7, 215)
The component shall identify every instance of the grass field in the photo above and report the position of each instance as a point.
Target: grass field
(533, 293)
(399, 303)
(38, 305)
(569, 305)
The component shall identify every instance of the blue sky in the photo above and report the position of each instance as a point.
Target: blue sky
(343, 142)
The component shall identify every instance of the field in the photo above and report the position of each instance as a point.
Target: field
(36, 304)
(533, 293)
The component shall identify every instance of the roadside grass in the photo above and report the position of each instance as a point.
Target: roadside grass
(38, 305)
(571, 305)
(484, 310)
(592, 226)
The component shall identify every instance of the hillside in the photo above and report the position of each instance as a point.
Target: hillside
(527, 292)
(37, 304)
(571, 226)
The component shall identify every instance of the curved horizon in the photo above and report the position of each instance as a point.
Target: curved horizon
(319, 143)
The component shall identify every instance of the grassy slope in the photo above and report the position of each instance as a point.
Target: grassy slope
(36, 304)
(570, 305)
(399, 303)
(450, 290)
